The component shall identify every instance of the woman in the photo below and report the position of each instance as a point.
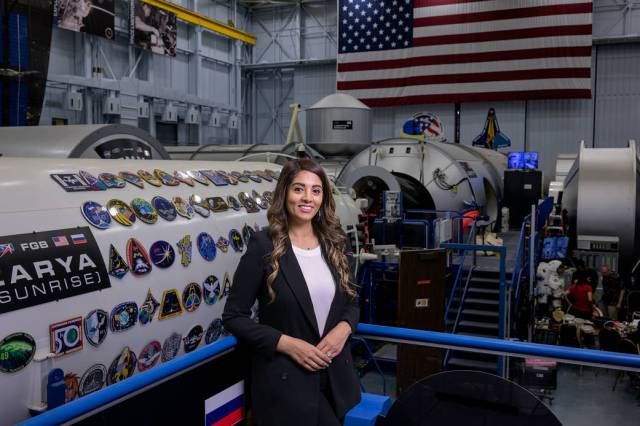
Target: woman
(302, 373)
(580, 295)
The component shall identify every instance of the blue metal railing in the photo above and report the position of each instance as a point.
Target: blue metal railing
(502, 252)
(504, 347)
(400, 237)
(97, 400)
(521, 260)
(454, 287)
(370, 359)
(457, 320)
(91, 402)
(462, 298)
(522, 264)
(455, 216)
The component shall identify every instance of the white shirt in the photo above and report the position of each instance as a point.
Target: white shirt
(320, 283)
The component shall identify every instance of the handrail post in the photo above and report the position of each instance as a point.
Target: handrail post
(532, 265)
(502, 308)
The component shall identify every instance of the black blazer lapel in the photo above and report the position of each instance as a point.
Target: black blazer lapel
(293, 276)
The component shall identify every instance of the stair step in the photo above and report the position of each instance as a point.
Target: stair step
(478, 324)
(483, 291)
(480, 312)
(478, 299)
(481, 301)
(485, 280)
(473, 364)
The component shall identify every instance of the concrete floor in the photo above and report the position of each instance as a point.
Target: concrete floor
(582, 398)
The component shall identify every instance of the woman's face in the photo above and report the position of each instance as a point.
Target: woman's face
(304, 197)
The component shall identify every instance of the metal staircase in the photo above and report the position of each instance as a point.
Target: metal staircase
(476, 306)
(478, 316)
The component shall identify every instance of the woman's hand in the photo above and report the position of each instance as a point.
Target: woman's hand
(304, 353)
(334, 341)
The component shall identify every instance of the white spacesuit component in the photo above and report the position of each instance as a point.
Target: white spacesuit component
(549, 283)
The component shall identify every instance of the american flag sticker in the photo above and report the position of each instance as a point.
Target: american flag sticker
(78, 239)
(60, 241)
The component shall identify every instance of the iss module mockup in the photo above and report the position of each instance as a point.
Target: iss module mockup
(108, 268)
(109, 141)
(431, 175)
(601, 198)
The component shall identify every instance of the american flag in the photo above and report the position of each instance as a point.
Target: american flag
(60, 241)
(397, 52)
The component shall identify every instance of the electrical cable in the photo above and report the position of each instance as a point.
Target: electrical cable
(439, 178)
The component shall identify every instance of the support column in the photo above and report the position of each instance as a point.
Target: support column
(197, 74)
(88, 73)
(237, 91)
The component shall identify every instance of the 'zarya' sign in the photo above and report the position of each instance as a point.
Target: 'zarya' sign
(45, 266)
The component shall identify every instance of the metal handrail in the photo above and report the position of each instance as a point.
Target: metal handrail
(464, 295)
(427, 227)
(118, 391)
(519, 264)
(543, 210)
(458, 275)
(502, 253)
(591, 357)
(457, 320)
(367, 349)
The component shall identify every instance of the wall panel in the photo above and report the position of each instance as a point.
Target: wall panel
(617, 95)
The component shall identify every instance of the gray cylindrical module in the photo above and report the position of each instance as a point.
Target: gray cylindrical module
(338, 124)
(109, 141)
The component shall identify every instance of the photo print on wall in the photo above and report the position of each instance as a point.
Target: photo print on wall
(87, 16)
(153, 29)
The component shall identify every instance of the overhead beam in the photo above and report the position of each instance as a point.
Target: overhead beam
(288, 64)
(192, 17)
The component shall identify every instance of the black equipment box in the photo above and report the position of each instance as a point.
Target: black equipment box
(522, 188)
(421, 306)
(540, 374)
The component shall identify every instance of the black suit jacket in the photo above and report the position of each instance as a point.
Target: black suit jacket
(283, 392)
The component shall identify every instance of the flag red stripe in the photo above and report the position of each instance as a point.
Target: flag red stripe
(535, 74)
(230, 419)
(496, 15)
(568, 30)
(506, 55)
(479, 97)
(426, 3)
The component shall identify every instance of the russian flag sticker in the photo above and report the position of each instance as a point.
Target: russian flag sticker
(225, 408)
(78, 239)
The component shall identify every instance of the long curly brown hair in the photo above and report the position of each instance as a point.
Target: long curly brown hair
(326, 224)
